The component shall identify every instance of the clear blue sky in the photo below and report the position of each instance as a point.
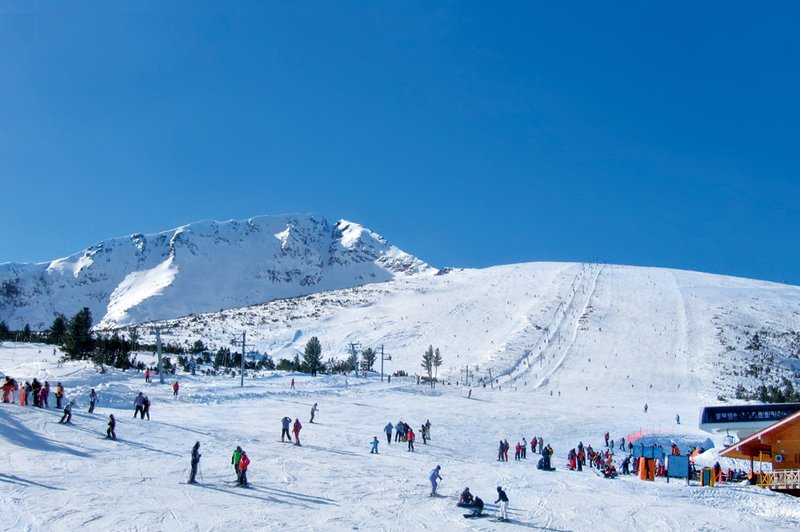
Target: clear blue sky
(469, 134)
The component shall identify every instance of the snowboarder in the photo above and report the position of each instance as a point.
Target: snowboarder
(59, 395)
(175, 388)
(410, 436)
(285, 422)
(244, 461)
(195, 461)
(138, 403)
(296, 429)
(313, 411)
(374, 449)
(146, 407)
(92, 400)
(434, 476)
(112, 424)
(67, 417)
(502, 498)
(478, 504)
(388, 429)
(237, 456)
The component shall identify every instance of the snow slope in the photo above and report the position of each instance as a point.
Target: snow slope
(200, 267)
(576, 350)
(68, 477)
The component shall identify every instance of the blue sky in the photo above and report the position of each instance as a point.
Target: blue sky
(469, 134)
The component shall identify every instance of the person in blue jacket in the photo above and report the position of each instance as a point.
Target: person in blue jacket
(433, 478)
(374, 449)
(400, 431)
(388, 429)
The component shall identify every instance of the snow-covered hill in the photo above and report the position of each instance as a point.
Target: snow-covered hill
(532, 325)
(200, 267)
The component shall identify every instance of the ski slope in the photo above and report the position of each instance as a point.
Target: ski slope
(574, 350)
(69, 477)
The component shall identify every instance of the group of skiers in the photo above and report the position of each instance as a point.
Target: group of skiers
(286, 423)
(467, 500)
(403, 433)
(32, 392)
(141, 406)
(520, 449)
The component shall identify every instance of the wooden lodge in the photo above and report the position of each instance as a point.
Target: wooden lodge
(778, 444)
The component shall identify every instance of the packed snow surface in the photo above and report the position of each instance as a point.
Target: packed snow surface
(69, 477)
(574, 350)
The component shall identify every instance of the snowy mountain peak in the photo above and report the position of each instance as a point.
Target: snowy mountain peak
(200, 267)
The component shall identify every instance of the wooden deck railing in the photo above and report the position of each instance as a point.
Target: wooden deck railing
(782, 478)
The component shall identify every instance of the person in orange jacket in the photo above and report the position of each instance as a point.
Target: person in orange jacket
(175, 388)
(59, 395)
(296, 429)
(244, 461)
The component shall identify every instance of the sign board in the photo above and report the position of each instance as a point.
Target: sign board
(678, 466)
(640, 451)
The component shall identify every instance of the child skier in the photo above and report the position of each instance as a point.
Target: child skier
(67, 417)
(244, 461)
(296, 430)
(374, 449)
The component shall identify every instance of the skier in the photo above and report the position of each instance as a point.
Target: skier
(36, 388)
(506, 447)
(175, 388)
(399, 428)
(45, 394)
(138, 403)
(677, 419)
(23, 397)
(59, 395)
(313, 411)
(147, 375)
(424, 435)
(388, 429)
(500, 450)
(606, 437)
(291, 386)
(285, 422)
(374, 449)
(92, 400)
(296, 429)
(67, 417)
(237, 456)
(524, 448)
(434, 476)
(244, 461)
(195, 461)
(410, 436)
(112, 424)
(146, 408)
(428, 428)
(502, 498)
(645, 408)
(518, 451)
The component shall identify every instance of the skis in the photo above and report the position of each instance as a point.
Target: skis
(473, 516)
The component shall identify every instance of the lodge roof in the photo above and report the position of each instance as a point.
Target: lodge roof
(761, 441)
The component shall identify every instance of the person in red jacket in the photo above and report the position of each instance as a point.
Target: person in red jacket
(175, 388)
(296, 429)
(410, 437)
(244, 461)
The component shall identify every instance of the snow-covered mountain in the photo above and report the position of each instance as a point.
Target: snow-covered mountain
(200, 267)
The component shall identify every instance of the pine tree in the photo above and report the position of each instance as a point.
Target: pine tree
(427, 362)
(368, 359)
(57, 331)
(312, 357)
(78, 341)
(437, 361)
